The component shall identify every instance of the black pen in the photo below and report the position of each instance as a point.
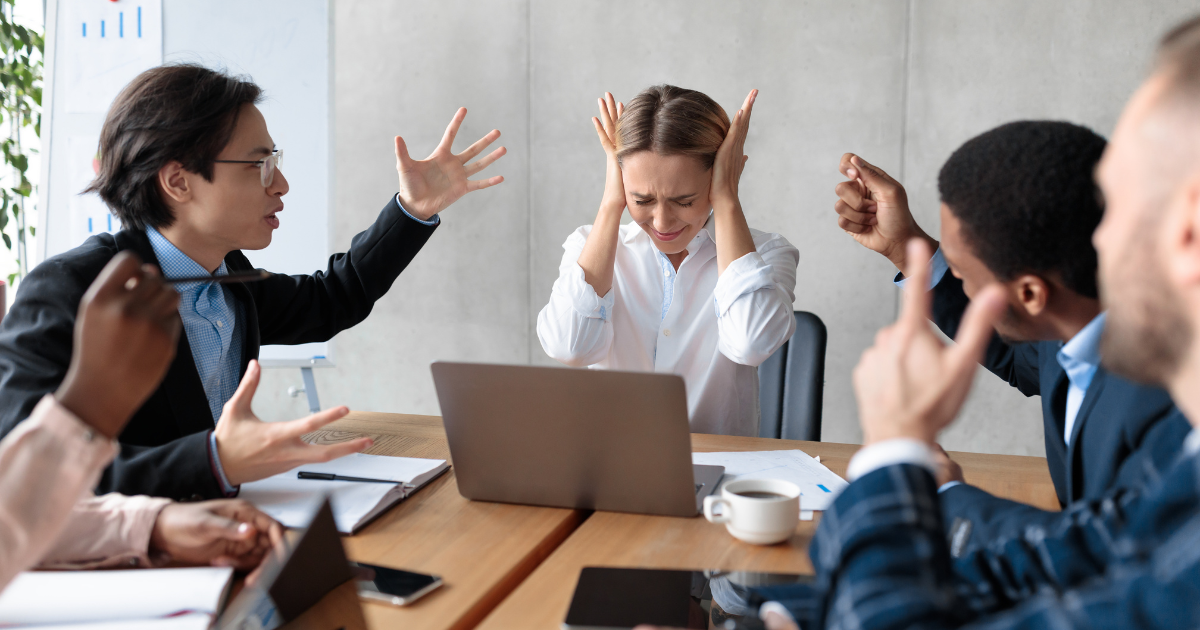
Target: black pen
(237, 276)
(332, 477)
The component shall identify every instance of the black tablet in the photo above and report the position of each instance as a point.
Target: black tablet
(610, 598)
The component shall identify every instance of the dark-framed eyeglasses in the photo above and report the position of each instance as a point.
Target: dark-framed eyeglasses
(267, 166)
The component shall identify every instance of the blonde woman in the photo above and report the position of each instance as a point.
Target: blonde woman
(686, 287)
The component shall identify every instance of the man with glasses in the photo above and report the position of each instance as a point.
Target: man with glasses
(189, 168)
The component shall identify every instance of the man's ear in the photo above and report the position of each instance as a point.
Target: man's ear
(1181, 234)
(1032, 293)
(174, 183)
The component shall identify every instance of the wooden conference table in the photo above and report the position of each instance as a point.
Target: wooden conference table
(515, 566)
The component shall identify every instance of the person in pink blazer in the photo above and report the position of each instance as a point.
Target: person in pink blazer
(124, 340)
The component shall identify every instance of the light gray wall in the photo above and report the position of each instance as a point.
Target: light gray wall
(902, 83)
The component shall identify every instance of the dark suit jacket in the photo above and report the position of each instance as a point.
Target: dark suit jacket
(164, 449)
(1112, 424)
(882, 562)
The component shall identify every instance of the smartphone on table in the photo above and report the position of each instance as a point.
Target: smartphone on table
(392, 586)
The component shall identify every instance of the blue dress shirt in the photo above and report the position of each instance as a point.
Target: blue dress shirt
(211, 320)
(1079, 358)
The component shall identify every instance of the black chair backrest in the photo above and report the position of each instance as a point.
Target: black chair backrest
(791, 383)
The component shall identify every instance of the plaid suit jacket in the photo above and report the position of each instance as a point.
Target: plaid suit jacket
(1130, 560)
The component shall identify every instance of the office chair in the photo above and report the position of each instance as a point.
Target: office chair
(791, 383)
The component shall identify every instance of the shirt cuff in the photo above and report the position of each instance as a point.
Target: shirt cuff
(937, 268)
(889, 453)
(949, 484)
(214, 459)
(434, 221)
(744, 275)
(777, 608)
(584, 298)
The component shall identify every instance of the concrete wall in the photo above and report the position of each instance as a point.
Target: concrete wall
(902, 83)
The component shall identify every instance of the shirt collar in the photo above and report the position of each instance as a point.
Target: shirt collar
(1191, 444)
(1084, 347)
(176, 264)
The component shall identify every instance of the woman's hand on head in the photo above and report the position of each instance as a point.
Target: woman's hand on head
(731, 159)
(606, 129)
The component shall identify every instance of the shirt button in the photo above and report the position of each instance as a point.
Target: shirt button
(667, 332)
(220, 324)
(666, 274)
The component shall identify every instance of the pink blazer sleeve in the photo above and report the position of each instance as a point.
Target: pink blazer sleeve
(108, 531)
(46, 465)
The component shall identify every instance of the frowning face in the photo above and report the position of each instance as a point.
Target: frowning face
(668, 196)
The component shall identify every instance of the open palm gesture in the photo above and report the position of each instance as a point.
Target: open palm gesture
(429, 186)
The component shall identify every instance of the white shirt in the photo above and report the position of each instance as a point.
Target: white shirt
(712, 331)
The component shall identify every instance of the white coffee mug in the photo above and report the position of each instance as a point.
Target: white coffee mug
(758, 511)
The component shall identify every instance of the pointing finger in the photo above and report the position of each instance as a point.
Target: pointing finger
(240, 401)
(977, 326)
(334, 451)
(480, 184)
(479, 146)
(296, 428)
(447, 142)
(485, 161)
(916, 287)
(402, 158)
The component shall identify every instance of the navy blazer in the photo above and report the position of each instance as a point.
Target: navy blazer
(1112, 424)
(882, 561)
(164, 448)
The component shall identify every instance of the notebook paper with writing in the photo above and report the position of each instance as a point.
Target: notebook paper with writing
(288, 498)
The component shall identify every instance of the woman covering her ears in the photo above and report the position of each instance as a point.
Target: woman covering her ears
(687, 287)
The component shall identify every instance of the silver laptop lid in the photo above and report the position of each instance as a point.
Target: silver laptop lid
(592, 439)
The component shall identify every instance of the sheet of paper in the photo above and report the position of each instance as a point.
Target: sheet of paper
(192, 621)
(398, 469)
(105, 45)
(64, 597)
(818, 485)
(289, 499)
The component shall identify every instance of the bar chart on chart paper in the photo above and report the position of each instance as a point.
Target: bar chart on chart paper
(89, 214)
(106, 45)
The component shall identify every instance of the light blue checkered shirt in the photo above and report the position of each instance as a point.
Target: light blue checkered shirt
(210, 317)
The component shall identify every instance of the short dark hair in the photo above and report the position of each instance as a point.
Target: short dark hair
(180, 112)
(1028, 201)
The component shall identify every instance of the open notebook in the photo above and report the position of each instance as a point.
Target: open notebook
(178, 599)
(288, 499)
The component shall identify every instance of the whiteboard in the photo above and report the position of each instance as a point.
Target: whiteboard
(285, 46)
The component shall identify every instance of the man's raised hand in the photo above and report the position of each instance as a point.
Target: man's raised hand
(910, 384)
(251, 449)
(429, 186)
(873, 208)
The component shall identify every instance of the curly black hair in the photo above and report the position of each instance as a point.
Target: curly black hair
(1027, 200)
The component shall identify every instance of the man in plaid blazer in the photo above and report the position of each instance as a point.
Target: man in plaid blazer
(1129, 560)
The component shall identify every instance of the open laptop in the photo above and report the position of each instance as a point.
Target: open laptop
(561, 437)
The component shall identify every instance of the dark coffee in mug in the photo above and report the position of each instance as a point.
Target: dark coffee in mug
(758, 494)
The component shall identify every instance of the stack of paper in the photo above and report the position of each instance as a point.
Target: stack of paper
(142, 598)
(289, 499)
(819, 486)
